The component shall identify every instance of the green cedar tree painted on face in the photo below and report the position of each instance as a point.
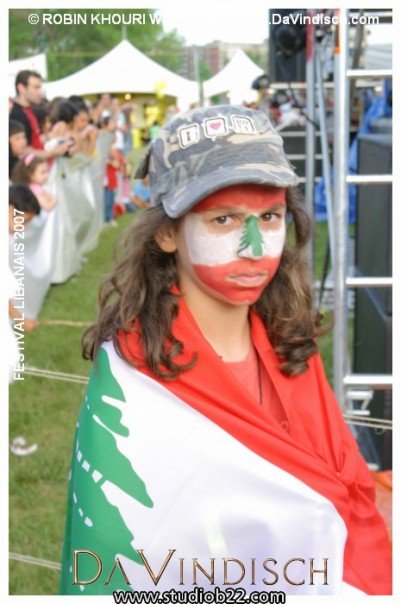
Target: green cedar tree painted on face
(93, 523)
(251, 237)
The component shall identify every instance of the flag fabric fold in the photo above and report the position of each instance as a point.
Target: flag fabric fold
(194, 466)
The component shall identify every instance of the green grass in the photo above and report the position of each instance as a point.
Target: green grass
(45, 412)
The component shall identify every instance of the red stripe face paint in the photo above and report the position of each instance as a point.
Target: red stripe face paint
(234, 239)
(241, 281)
(254, 197)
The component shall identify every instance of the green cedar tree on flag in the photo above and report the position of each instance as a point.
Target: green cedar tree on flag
(90, 513)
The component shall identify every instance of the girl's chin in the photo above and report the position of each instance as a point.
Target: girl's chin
(236, 296)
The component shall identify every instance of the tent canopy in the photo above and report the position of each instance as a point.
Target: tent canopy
(235, 78)
(124, 68)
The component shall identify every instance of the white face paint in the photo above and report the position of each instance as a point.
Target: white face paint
(208, 248)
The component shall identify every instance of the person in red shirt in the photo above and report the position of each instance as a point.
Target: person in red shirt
(114, 164)
(28, 86)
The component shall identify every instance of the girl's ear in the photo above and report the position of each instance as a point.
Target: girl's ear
(166, 239)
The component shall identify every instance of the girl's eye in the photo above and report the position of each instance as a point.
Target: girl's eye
(223, 219)
(270, 217)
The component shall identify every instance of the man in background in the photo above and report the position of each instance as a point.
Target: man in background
(28, 87)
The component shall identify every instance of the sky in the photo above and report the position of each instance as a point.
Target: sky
(200, 23)
(221, 22)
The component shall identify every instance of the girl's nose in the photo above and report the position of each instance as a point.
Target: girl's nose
(251, 243)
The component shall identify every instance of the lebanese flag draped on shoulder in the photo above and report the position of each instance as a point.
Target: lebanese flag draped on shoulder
(213, 477)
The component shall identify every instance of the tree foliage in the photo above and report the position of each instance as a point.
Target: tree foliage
(260, 58)
(72, 47)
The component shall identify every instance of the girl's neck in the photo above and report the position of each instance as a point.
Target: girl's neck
(225, 326)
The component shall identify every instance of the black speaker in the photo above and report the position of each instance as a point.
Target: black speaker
(284, 68)
(373, 354)
(373, 233)
(294, 141)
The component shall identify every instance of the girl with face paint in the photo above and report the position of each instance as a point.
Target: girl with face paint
(208, 430)
(234, 240)
(228, 249)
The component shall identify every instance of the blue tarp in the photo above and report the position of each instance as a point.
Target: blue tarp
(374, 108)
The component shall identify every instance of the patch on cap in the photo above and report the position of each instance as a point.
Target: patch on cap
(215, 126)
(242, 124)
(188, 135)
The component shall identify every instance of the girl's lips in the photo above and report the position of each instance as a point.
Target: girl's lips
(248, 279)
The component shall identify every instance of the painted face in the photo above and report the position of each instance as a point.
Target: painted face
(235, 238)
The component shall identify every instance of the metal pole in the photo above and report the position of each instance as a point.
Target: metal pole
(370, 179)
(369, 73)
(358, 43)
(340, 264)
(325, 151)
(369, 281)
(376, 381)
(310, 140)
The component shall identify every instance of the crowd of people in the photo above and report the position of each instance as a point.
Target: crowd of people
(70, 173)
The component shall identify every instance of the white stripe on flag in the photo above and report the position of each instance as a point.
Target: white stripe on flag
(213, 497)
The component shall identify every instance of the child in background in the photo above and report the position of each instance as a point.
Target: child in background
(34, 172)
(45, 123)
(126, 182)
(114, 164)
(154, 129)
(17, 143)
(140, 196)
(23, 204)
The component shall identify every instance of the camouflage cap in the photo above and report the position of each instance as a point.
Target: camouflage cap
(211, 148)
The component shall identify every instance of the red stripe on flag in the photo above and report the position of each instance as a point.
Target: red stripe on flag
(319, 449)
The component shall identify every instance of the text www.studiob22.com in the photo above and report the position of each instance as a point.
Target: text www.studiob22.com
(200, 596)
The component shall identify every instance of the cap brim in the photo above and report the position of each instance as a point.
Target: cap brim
(183, 199)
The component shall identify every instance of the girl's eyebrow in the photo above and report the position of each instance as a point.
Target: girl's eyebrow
(234, 209)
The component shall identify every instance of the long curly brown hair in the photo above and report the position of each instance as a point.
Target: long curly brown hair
(139, 287)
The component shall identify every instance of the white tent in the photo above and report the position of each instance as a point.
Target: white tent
(35, 63)
(235, 78)
(125, 69)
